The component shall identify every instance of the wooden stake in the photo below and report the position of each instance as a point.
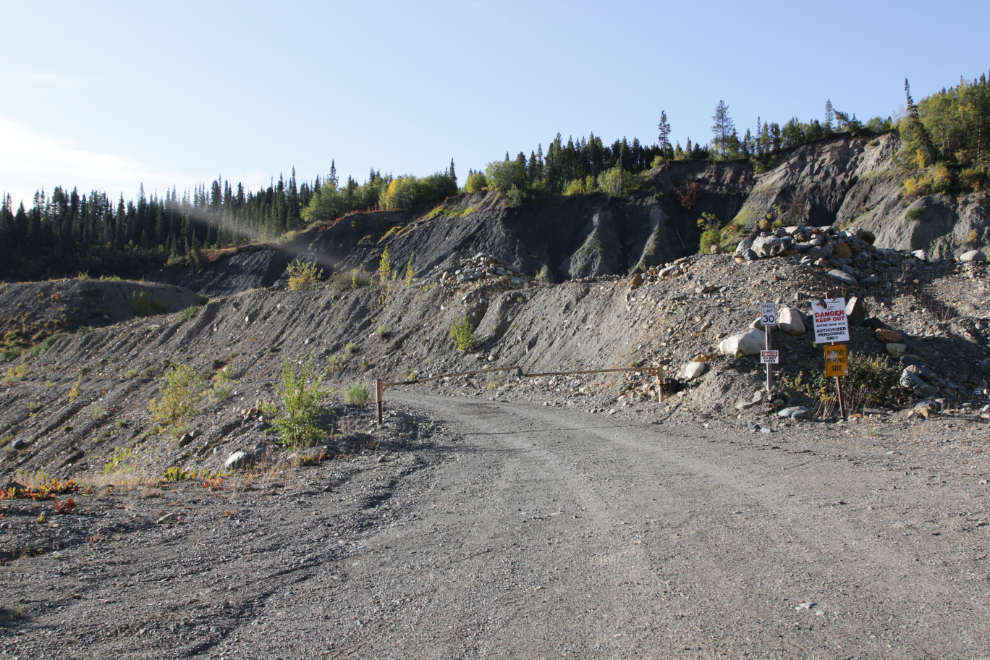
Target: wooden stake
(380, 396)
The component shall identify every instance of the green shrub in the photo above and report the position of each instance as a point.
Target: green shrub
(476, 182)
(188, 313)
(711, 233)
(158, 306)
(463, 335)
(357, 394)
(175, 474)
(303, 275)
(302, 399)
(871, 381)
(140, 305)
(131, 373)
(382, 331)
(181, 392)
(352, 279)
(335, 362)
(223, 385)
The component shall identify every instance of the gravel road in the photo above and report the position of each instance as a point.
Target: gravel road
(536, 532)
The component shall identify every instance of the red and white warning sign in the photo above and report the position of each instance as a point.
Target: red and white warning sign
(769, 357)
(830, 320)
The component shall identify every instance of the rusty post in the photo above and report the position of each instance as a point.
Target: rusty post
(659, 375)
(380, 392)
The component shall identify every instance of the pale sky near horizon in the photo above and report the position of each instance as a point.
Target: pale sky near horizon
(108, 94)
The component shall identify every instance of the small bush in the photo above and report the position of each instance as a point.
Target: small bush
(357, 394)
(871, 381)
(335, 362)
(463, 335)
(131, 373)
(303, 275)
(187, 313)
(302, 402)
(223, 385)
(349, 350)
(180, 395)
(97, 412)
(175, 474)
(382, 331)
(353, 279)
(140, 305)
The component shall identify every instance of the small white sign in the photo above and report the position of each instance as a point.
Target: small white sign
(830, 320)
(769, 357)
(768, 314)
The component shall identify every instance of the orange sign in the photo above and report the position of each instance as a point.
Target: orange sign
(835, 361)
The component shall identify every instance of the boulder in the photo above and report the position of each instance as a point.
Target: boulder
(692, 370)
(913, 382)
(985, 366)
(842, 250)
(789, 320)
(746, 404)
(887, 336)
(795, 412)
(766, 246)
(923, 372)
(238, 460)
(750, 255)
(896, 349)
(856, 311)
(972, 255)
(747, 343)
(637, 281)
(843, 277)
(744, 245)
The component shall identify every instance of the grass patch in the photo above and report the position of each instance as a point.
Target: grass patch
(352, 279)
(357, 394)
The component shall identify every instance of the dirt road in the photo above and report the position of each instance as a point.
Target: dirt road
(539, 532)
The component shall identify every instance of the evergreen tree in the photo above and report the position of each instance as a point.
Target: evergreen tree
(664, 128)
(723, 129)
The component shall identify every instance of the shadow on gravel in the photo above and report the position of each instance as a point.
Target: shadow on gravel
(12, 618)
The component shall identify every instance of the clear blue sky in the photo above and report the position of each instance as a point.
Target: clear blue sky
(108, 94)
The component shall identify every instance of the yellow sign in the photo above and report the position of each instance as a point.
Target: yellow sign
(835, 361)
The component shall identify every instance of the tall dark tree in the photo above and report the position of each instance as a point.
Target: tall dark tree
(664, 128)
(723, 129)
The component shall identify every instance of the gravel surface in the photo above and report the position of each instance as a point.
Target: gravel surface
(514, 530)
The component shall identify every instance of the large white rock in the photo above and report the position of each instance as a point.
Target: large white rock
(972, 255)
(692, 370)
(747, 343)
(789, 320)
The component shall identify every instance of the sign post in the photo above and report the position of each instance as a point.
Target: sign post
(768, 318)
(831, 325)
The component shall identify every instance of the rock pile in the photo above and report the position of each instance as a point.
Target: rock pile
(483, 267)
(849, 255)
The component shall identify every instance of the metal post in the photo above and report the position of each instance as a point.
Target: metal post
(658, 372)
(769, 378)
(842, 406)
(380, 397)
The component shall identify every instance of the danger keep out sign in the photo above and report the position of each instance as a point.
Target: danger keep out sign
(830, 320)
